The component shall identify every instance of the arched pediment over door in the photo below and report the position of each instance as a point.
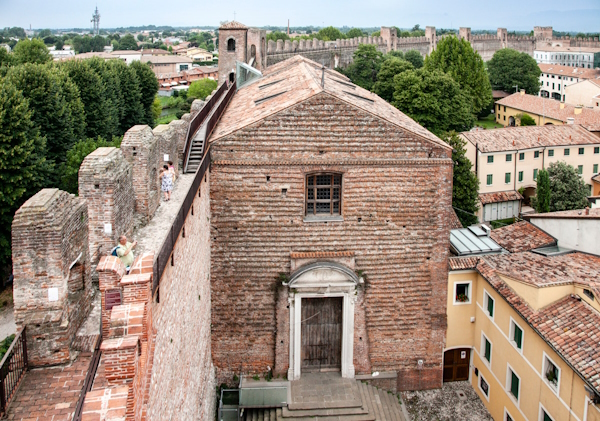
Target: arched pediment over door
(324, 275)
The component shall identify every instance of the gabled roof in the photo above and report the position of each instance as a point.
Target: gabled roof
(501, 196)
(233, 25)
(454, 221)
(568, 71)
(521, 236)
(297, 79)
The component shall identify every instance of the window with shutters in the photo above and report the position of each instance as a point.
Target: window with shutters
(520, 176)
(551, 373)
(581, 151)
(324, 194)
(567, 152)
(486, 349)
(550, 152)
(508, 157)
(507, 178)
(490, 179)
(490, 159)
(521, 156)
(544, 416)
(516, 335)
(535, 173)
(536, 154)
(488, 304)
(513, 384)
(507, 416)
(484, 386)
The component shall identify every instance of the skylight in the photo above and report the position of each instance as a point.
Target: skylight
(266, 85)
(345, 83)
(358, 96)
(260, 101)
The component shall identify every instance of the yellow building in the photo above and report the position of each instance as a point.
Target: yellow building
(543, 110)
(524, 328)
(199, 54)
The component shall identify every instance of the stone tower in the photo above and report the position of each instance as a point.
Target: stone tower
(390, 37)
(542, 32)
(464, 33)
(431, 38)
(233, 42)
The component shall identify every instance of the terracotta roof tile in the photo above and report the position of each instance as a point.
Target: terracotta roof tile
(320, 254)
(233, 25)
(578, 72)
(521, 236)
(570, 214)
(529, 137)
(454, 221)
(501, 196)
(462, 263)
(550, 108)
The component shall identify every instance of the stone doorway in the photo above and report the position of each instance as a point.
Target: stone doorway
(321, 334)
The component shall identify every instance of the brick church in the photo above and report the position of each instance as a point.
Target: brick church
(330, 227)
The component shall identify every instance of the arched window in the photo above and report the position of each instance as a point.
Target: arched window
(253, 51)
(230, 44)
(323, 194)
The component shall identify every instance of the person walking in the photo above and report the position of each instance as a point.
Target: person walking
(166, 182)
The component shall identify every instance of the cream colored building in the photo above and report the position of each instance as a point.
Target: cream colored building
(584, 93)
(555, 78)
(523, 329)
(509, 159)
(199, 54)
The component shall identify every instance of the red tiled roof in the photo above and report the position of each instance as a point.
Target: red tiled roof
(454, 221)
(501, 196)
(521, 236)
(499, 94)
(529, 137)
(320, 254)
(462, 263)
(550, 108)
(233, 25)
(570, 214)
(577, 72)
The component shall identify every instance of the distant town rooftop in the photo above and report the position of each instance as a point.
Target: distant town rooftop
(165, 59)
(578, 72)
(553, 49)
(530, 137)
(521, 236)
(569, 214)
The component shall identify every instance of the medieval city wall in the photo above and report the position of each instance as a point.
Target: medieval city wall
(395, 225)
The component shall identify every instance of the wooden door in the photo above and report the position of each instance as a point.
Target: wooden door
(456, 364)
(321, 334)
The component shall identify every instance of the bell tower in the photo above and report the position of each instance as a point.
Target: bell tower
(233, 43)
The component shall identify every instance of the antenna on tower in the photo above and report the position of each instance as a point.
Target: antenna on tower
(96, 21)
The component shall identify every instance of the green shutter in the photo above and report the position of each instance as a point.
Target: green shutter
(490, 306)
(518, 336)
(490, 159)
(535, 173)
(488, 350)
(580, 169)
(520, 175)
(547, 417)
(514, 385)
(595, 169)
(507, 177)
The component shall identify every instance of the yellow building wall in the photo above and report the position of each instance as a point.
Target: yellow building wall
(503, 117)
(569, 403)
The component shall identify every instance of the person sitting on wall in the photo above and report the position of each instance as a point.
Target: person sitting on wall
(125, 251)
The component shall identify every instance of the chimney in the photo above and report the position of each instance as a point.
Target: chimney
(587, 210)
(562, 105)
(578, 109)
(522, 91)
(570, 120)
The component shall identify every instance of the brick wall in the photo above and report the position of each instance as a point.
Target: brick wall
(167, 141)
(106, 184)
(395, 207)
(141, 149)
(227, 59)
(180, 127)
(52, 287)
(182, 383)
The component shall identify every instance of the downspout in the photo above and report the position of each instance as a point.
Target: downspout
(476, 159)
(515, 178)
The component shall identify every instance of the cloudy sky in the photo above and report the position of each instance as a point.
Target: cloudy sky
(583, 15)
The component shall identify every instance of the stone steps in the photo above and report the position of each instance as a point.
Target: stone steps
(374, 405)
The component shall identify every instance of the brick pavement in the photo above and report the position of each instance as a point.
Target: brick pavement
(50, 393)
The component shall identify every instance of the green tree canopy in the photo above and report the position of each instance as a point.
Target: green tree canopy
(148, 89)
(330, 34)
(133, 111)
(22, 165)
(202, 88)
(128, 42)
(395, 53)
(458, 59)
(415, 58)
(384, 87)
(275, 35)
(363, 70)
(567, 188)
(509, 68)
(355, 32)
(526, 120)
(465, 184)
(156, 109)
(6, 59)
(433, 99)
(543, 194)
(31, 51)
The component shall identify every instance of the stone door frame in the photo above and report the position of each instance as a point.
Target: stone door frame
(322, 280)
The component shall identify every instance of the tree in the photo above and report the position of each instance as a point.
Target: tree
(465, 184)
(202, 88)
(567, 188)
(526, 120)
(355, 33)
(97, 43)
(113, 96)
(276, 35)
(415, 58)
(509, 68)
(148, 89)
(330, 34)
(156, 109)
(384, 87)
(133, 111)
(458, 59)
(22, 165)
(128, 42)
(367, 62)
(543, 194)
(74, 158)
(31, 51)
(433, 99)
(44, 33)
(6, 59)
(395, 53)
(141, 37)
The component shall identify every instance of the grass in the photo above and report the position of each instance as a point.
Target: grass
(166, 119)
(488, 122)
(164, 100)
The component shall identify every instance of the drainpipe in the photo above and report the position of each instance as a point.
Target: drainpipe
(515, 177)
(543, 158)
(476, 159)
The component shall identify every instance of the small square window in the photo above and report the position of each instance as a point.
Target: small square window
(513, 383)
(507, 178)
(535, 173)
(581, 151)
(462, 293)
(521, 156)
(490, 159)
(520, 176)
(551, 373)
(490, 178)
(516, 335)
(484, 386)
(508, 157)
(536, 154)
(488, 303)
(550, 152)
(579, 169)
(567, 152)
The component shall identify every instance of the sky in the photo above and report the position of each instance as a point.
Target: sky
(581, 16)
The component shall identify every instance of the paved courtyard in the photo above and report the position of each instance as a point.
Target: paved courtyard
(456, 401)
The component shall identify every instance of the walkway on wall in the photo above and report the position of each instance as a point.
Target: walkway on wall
(329, 397)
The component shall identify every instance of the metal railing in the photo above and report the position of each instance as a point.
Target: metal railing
(89, 378)
(214, 119)
(198, 120)
(12, 369)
